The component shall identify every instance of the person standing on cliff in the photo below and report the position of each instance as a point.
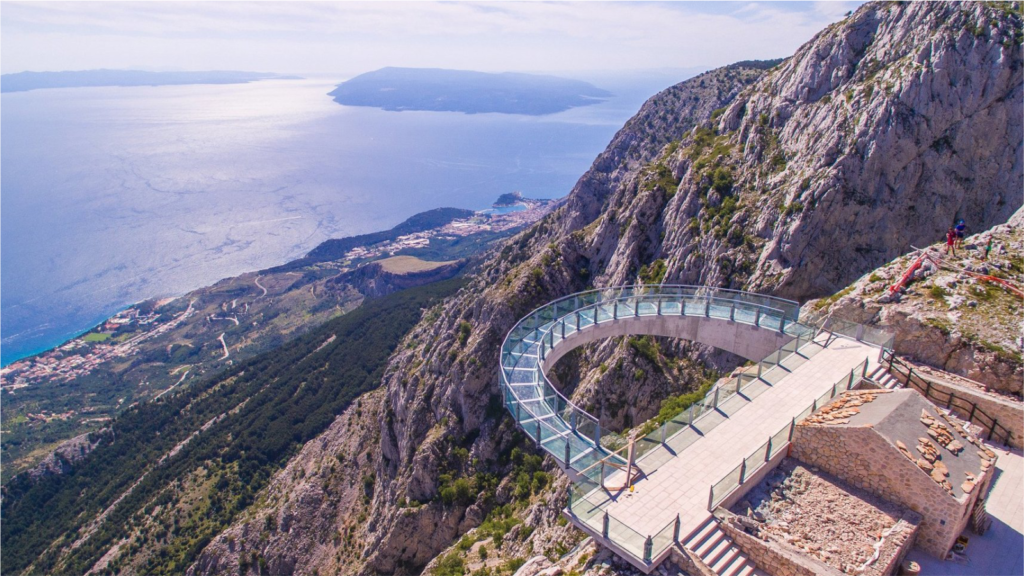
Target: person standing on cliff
(961, 228)
(988, 248)
(951, 241)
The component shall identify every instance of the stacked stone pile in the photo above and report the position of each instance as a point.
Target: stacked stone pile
(835, 523)
(842, 408)
(930, 459)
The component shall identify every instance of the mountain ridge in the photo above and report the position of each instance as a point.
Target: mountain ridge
(738, 178)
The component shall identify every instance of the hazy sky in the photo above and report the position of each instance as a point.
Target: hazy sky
(353, 37)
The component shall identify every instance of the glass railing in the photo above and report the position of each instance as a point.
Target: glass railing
(546, 415)
(643, 548)
(778, 442)
(576, 439)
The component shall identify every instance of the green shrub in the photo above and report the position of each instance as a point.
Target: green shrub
(722, 180)
(465, 329)
(450, 565)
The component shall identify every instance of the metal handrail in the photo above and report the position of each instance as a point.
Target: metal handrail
(925, 387)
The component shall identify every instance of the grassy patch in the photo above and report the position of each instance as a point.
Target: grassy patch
(826, 302)
(96, 337)
(937, 292)
(408, 264)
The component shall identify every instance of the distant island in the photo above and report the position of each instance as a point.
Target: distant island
(439, 90)
(24, 81)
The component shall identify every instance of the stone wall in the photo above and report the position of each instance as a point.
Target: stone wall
(775, 558)
(1008, 414)
(863, 458)
(896, 545)
(690, 562)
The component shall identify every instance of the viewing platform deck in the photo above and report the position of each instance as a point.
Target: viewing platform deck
(686, 467)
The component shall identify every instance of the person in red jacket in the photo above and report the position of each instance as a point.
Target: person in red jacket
(951, 241)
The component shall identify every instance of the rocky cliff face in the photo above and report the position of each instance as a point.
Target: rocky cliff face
(795, 181)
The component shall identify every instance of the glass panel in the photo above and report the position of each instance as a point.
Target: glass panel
(724, 486)
(720, 309)
(663, 539)
(626, 537)
(756, 460)
(780, 441)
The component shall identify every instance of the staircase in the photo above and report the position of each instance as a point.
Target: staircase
(719, 553)
(881, 376)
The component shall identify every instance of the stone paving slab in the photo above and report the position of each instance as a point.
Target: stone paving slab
(681, 485)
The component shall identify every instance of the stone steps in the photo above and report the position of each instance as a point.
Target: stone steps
(881, 376)
(719, 553)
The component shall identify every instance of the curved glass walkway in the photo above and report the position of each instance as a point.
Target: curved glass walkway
(564, 430)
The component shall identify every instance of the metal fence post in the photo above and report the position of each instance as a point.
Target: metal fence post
(675, 530)
(597, 434)
(664, 429)
(732, 312)
(572, 419)
(767, 453)
(707, 307)
(757, 317)
(518, 413)
(711, 498)
(760, 367)
(538, 433)
(716, 398)
(659, 305)
(743, 470)
(602, 486)
(792, 426)
(690, 418)
(604, 526)
(648, 545)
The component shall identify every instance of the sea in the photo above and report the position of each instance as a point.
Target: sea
(110, 196)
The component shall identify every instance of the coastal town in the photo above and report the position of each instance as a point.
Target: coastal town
(80, 356)
(121, 335)
(511, 212)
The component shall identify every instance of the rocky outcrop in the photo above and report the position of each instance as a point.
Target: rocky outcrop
(62, 459)
(794, 181)
(948, 316)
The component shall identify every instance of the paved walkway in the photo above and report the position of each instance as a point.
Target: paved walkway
(680, 485)
(1000, 552)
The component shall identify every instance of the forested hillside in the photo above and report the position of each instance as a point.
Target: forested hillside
(172, 474)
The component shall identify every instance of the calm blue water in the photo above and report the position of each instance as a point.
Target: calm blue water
(114, 195)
